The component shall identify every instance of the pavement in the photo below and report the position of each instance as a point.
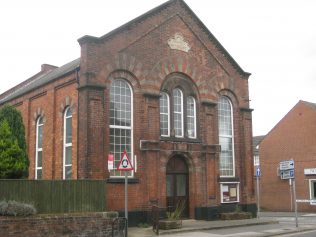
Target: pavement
(192, 225)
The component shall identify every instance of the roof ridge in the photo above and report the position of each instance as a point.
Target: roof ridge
(41, 79)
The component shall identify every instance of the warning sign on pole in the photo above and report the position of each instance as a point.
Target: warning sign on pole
(125, 163)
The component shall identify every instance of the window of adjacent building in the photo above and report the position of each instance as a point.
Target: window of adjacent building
(312, 191)
(225, 125)
(164, 114)
(191, 117)
(229, 192)
(256, 161)
(67, 156)
(121, 120)
(178, 112)
(39, 148)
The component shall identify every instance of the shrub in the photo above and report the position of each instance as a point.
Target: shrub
(15, 122)
(143, 225)
(176, 214)
(11, 155)
(13, 208)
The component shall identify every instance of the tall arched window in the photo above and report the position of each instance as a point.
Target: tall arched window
(191, 117)
(164, 114)
(39, 148)
(121, 122)
(178, 112)
(67, 157)
(226, 135)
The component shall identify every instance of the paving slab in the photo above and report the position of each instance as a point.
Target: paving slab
(197, 225)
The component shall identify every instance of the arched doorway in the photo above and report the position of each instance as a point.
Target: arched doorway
(177, 184)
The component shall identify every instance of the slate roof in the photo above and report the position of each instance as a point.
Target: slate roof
(255, 142)
(69, 67)
(42, 80)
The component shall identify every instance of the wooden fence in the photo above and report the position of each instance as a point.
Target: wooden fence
(57, 196)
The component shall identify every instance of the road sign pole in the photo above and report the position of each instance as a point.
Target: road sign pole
(291, 193)
(295, 204)
(125, 165)
(258, 197)
(126, 202)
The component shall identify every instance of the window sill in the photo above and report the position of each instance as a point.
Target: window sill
(122, 180)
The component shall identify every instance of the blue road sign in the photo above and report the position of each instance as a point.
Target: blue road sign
(287, 174)
(258, 172)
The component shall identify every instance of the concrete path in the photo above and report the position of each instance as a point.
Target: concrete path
(194, 225)
(198, 225)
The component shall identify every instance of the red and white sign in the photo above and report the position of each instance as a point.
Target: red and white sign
(125, 163)
(110, 162)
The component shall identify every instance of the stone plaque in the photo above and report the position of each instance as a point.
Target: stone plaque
(177, 42)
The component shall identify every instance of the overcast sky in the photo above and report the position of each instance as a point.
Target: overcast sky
(274, 40)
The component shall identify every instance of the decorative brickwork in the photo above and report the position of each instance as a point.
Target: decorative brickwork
(138, 53)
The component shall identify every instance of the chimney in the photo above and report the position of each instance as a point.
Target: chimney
(47, 67)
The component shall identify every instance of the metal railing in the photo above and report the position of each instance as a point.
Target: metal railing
(155, 215)
(119, 227)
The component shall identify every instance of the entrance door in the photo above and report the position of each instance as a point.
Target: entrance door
(177, 184)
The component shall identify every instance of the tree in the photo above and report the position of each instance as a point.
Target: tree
(15, 122)
(12, 163)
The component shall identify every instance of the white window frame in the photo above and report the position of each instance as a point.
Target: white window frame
(126, 128)
(229, 136)
(237, 191)
(189, 116)
(312, 181)
(256, 160)
(180, 112)
(168, 113)
(37, 149)
(66, 145)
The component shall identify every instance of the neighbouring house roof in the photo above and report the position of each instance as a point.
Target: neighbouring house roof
(311, 105)
(255, 142)
(41, 80)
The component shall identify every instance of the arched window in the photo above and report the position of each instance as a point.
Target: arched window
(121, 123)
(39, 148)
(226, 135)
(191, 117)
(178, 112)
(67, 156)
(164, 115)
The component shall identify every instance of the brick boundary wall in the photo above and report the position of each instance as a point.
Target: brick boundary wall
(90, 224)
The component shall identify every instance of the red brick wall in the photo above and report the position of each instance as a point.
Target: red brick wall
(141, 55)
(292, 138)
(50, 102)
(58, 225)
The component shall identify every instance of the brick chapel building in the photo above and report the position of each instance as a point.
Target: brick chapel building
(293, 138)
(160, 87)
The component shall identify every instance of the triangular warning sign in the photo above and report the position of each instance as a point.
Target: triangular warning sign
(125, 163)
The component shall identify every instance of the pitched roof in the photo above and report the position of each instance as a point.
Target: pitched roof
(155, 11)
(255, 142)
(41, 80)
(311, 105)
